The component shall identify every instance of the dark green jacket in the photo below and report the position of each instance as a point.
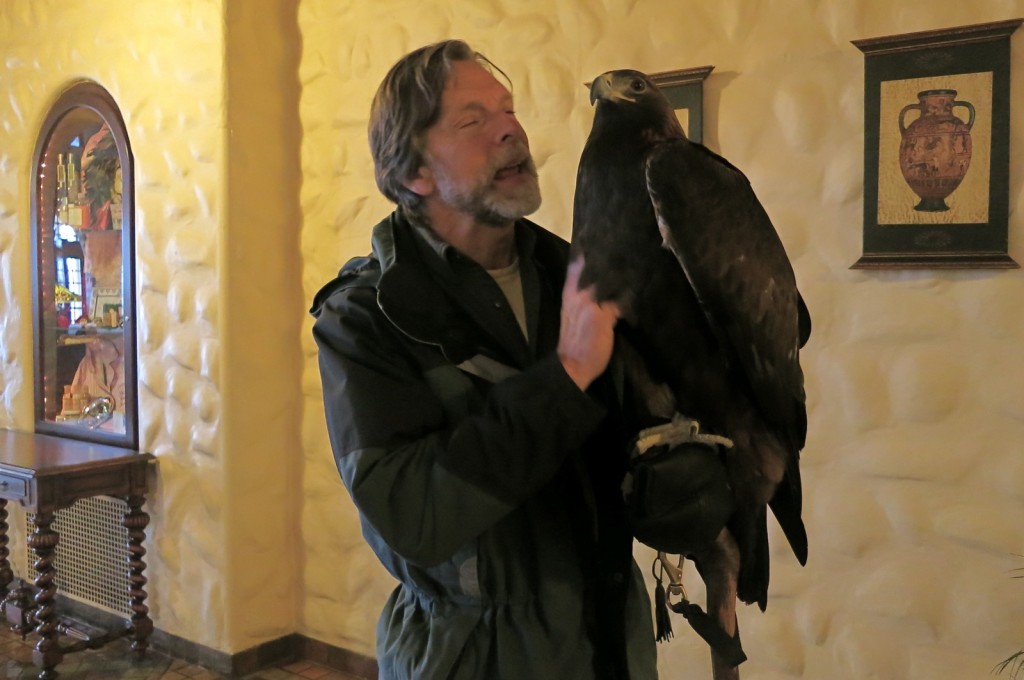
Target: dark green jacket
(486, 481)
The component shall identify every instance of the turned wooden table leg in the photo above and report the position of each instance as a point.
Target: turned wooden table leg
(135, 521)
(43, 542)
(6, 574)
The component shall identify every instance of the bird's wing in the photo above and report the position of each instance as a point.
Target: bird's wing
(723, 239)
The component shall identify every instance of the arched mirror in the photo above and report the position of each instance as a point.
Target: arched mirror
(84, 271)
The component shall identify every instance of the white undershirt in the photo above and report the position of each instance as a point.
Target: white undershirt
(511, 285)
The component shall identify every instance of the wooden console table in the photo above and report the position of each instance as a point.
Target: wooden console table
(45, 473)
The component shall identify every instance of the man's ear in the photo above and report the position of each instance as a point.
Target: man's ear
(422, 183)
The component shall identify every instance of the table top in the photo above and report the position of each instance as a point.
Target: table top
(43, 454)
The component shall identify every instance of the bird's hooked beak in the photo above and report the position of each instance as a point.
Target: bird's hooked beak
(601, 88)
(604, 88)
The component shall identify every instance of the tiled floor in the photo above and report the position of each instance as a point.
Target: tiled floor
(115, 661)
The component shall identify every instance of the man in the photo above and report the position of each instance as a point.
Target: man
(460, 369)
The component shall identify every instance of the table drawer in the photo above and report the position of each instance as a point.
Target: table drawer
(12, 488)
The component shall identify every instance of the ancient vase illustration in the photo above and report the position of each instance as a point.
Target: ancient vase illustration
(935, 153)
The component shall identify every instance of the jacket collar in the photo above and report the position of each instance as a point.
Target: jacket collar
(422, 289)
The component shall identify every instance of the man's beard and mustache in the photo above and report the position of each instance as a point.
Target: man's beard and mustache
(489, 204)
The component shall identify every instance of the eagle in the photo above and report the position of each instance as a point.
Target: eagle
(711, 322)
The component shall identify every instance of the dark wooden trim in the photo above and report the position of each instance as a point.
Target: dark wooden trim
(283, 650)
(936, 261)
(960, 35)
(685, 76)
(339, 659)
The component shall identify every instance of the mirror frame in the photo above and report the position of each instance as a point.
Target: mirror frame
(89, 95)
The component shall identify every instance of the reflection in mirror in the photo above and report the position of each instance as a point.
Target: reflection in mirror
(84, 271)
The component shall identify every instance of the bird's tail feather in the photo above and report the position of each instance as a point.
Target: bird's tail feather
(751, 532)
(786, 506)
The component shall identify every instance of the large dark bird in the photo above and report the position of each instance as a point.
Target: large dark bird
(712, 322)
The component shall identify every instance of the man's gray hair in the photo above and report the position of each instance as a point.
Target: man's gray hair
(407, 103)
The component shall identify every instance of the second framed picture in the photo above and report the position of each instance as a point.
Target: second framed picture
(685, 91)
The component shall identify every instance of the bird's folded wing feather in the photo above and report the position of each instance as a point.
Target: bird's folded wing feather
(739, 270)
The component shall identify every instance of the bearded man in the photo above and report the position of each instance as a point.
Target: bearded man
(469, 419)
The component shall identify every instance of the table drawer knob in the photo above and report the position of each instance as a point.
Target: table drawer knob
(12, 488)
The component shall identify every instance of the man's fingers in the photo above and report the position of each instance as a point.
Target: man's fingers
(572, 274)
(610, 307)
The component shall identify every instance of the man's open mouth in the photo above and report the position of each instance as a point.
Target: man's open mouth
(510, 170)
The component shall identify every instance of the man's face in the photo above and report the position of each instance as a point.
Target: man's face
(477, 156)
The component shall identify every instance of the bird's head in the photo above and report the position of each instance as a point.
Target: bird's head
(634, 95)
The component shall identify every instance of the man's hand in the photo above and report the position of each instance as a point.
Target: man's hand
(587, 334)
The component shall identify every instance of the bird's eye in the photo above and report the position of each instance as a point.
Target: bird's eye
(637, 85)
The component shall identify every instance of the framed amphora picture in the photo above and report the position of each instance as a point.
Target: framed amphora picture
(936, 148)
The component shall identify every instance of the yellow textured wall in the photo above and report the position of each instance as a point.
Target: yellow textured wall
(216, 176)
(914, 468)
(254, 183)
(263, 304)
(169, 85)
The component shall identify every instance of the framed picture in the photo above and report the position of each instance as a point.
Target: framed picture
(936, 148)
(685, 90)
(104, 301)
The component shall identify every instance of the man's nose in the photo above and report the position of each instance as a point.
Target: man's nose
(509, 129)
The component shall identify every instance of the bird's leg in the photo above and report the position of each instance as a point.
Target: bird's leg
(652, 397)
(720, 568)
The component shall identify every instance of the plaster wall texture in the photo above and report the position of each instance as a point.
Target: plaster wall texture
(221, 547)
(914, 472)
(168, 85)
(914, 466)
